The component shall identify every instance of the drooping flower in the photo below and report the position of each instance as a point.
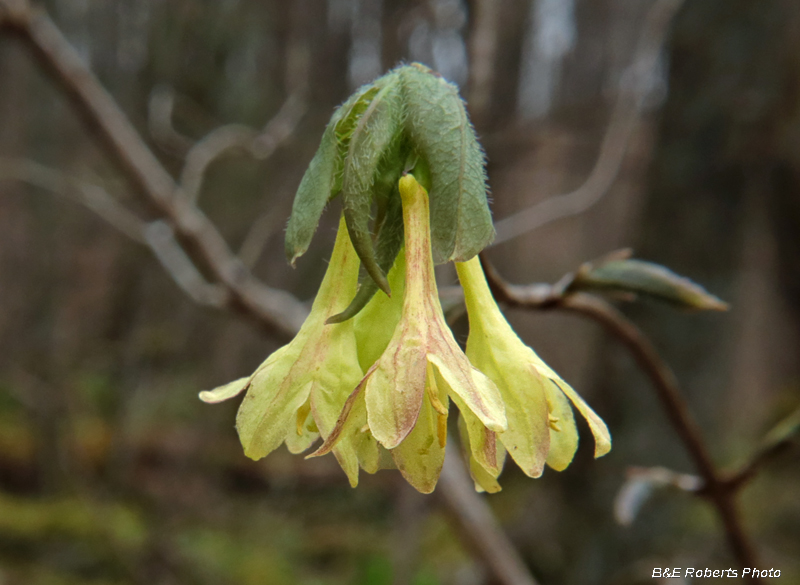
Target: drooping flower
(299, 391)
(403, 398)
(373, 374)
(541, 428)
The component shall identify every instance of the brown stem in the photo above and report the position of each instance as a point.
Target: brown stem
(720, 492)
(477, 524)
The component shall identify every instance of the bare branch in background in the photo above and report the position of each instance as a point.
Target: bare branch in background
(626, 114)
(93, 197)
(278, 311)
(258, 144)
(160, 107)
(267, 224)
(157, 235)
(778, 440)
(161, 239)
(477, 524)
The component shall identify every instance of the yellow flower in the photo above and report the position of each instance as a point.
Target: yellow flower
(377, 387)
(299, 391)
(541, 427)
(403, 398)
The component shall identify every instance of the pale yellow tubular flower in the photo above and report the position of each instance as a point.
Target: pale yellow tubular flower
(298, 392)
(541, 428)
(421, 366)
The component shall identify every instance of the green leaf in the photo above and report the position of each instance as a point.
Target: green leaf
(323, 178)
(378, 127)
(312, 195)
(439, 128)
(646, 278)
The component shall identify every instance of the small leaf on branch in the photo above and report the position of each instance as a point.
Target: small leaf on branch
(644, 278)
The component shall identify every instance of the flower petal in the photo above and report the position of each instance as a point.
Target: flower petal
(375, 324)
(395, 390)
(318, 357)
(479, 393)
(506, 361)
(485, 479)
(268, 412)
(333, 384)
(482, 443)
(226, 391)
(602, 438)
(421, 455)
(528, 436)
(497, 351)
(304, 433)
(563, 433)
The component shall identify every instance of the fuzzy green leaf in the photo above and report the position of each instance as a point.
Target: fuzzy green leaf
(312, 195)
(323, 178)
(437, 123)
(378, 127)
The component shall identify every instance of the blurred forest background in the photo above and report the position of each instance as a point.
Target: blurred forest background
(113, 472)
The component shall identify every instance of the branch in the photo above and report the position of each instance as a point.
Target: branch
(624, 118)
(157, 235)
(258, 144)
(276, 310)
(159, 121)
(716, 488)
(477, 524)
(778, 440)
(93, 197)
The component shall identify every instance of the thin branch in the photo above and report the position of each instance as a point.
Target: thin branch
(626, 113)
(276, 310)
(777, 441)
(157, 235)
(257, 237)
(160, 107)
(720, 493)
(258, 144)
(477, 523)
(161, 239)
(92, 196)
(762, 457)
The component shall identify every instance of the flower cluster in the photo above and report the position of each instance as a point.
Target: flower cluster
(377, 388)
